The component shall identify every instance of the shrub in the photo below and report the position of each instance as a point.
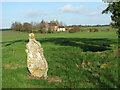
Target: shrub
(50, 30)
(95, 30)
(42, 30)
(27, 27)
(90, 30)
(108, 29)
(75, 29)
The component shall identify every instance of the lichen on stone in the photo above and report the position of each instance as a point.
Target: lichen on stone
(36, 62)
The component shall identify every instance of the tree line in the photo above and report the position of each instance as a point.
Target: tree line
(33, 26)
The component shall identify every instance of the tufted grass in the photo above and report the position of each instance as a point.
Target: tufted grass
(75, 60)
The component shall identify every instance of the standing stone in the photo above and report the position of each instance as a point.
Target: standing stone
(36, 62)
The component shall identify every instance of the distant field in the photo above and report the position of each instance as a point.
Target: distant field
(75, 60)
(101, 29)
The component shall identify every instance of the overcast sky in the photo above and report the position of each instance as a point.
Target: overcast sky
(84, 13)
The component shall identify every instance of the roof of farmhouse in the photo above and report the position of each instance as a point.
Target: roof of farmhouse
(52, 24)
(61, 27)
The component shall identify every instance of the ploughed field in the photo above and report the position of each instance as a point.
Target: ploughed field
(75, 60)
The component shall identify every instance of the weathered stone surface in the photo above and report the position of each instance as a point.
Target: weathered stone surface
(36, 62)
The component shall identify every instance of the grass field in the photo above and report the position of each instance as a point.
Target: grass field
(75, 60)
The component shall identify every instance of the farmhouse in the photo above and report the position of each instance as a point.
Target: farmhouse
(53, 25)
(61, 28)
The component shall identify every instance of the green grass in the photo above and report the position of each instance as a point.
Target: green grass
(65, 54)
(101, 29)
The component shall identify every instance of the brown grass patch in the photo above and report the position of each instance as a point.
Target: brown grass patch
(103, 55)
(54, 79)
(96, 75)
(19, 65)
(83, 52)
(50, 79)
(10, 67)
(33, 77)
(14, 66)
(98, 52)
(1, 47)
(116, 52)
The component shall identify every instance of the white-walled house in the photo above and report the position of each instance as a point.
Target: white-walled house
(61, 28)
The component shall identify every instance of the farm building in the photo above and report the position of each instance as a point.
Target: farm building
(61, 28)
(53, 25)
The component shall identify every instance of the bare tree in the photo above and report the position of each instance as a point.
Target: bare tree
(42, 26)
(57, 22)
(17, 26)
(61, 23)
(50, 29)
(27, 27)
